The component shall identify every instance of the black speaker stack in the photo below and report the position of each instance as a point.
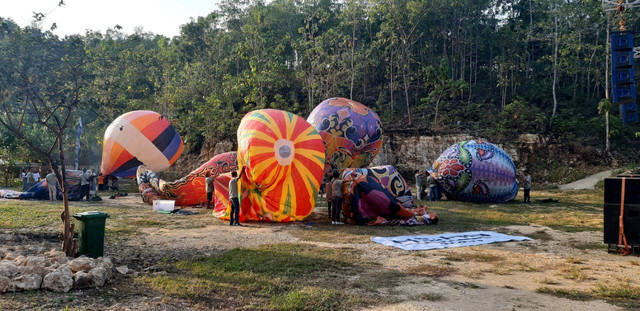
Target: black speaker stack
(613, 196)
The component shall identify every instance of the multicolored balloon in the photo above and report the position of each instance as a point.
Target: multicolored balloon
(476, 171)
(388, 177)
(191, 189)
(281, 158)
(139, 138)
(222, 208)
(352, 133)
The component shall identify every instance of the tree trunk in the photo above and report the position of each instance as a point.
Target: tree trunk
(406, 89)
(391, 79)
(353, 56)
(435, 119)
(69, 245)
(606, 89)
(555, 65)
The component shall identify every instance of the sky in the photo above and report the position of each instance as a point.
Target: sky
(76, 16)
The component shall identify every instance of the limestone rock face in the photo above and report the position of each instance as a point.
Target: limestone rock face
(28, 282)
(99, 276)
(8, 269)
(55, 256)
(35, 261)
(81, 264)
(60, 280)
(5, 284)
(20, 260)
(82, 280)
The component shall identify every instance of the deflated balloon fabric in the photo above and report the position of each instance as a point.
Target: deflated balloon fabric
(388, 177)
(281, 158)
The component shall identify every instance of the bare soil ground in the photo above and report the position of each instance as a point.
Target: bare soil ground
(198, 262)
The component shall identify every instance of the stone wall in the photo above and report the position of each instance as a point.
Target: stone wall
(408, 153)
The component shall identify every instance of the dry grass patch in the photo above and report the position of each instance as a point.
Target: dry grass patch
(575, 274)
(541, 235)
(549, 281)
(432, 270)
(428, 296)
(565, 293)
(475, 257)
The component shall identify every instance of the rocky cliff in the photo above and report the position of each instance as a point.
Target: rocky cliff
(549, 161)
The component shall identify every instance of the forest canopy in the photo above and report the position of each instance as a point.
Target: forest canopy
(479, 66)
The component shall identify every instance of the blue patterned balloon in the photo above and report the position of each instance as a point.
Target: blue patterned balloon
(476, 171)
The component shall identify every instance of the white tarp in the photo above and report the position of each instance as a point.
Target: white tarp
(446, 240)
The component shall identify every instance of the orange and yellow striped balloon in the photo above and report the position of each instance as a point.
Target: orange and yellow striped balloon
(281, 158)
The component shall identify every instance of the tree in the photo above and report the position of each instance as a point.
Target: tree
(604, 106)
(41, 84)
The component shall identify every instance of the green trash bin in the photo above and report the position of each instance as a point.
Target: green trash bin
(91, 233)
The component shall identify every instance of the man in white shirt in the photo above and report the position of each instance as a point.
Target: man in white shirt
(51, 184)
(233, 200)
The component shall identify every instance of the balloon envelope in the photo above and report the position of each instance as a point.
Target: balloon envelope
(191, 189)
(281, 158)
(369, 199)
(388, 177)
(137, 138)
(352, 133)
(476, 171)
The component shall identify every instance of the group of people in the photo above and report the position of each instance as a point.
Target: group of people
(334, 195)
(30, 176)
(422, 185)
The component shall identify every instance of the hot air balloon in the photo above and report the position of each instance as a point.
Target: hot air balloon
(281, 158)
(476, 171)
(389, 178)
(191, 189)
(352, 133)
(368, 202)
(222, 207)
(137, 138)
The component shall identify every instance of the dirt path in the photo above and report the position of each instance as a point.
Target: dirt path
(586, 183)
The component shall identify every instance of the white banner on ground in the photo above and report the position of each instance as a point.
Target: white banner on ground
(446, 240)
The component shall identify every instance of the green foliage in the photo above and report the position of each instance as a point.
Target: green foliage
(485, 65)
(520, 117)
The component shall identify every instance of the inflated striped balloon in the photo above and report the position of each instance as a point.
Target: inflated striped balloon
(222, 208)
(281, 157)
(136, 138)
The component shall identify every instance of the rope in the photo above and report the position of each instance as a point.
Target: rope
(622, 238)
(621, 9)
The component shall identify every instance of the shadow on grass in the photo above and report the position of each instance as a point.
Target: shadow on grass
(576, 211)
(278, 277)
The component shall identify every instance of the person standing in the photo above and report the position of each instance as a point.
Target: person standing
(527, 187)
(328, 195)
(84, 184)
(24, 180)
(30, 180)
(433, 188)
(336, 194)
(52, 183)
(209, 187)
(233, 200)
(36, 176)
(419, 186)
(115, 185)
